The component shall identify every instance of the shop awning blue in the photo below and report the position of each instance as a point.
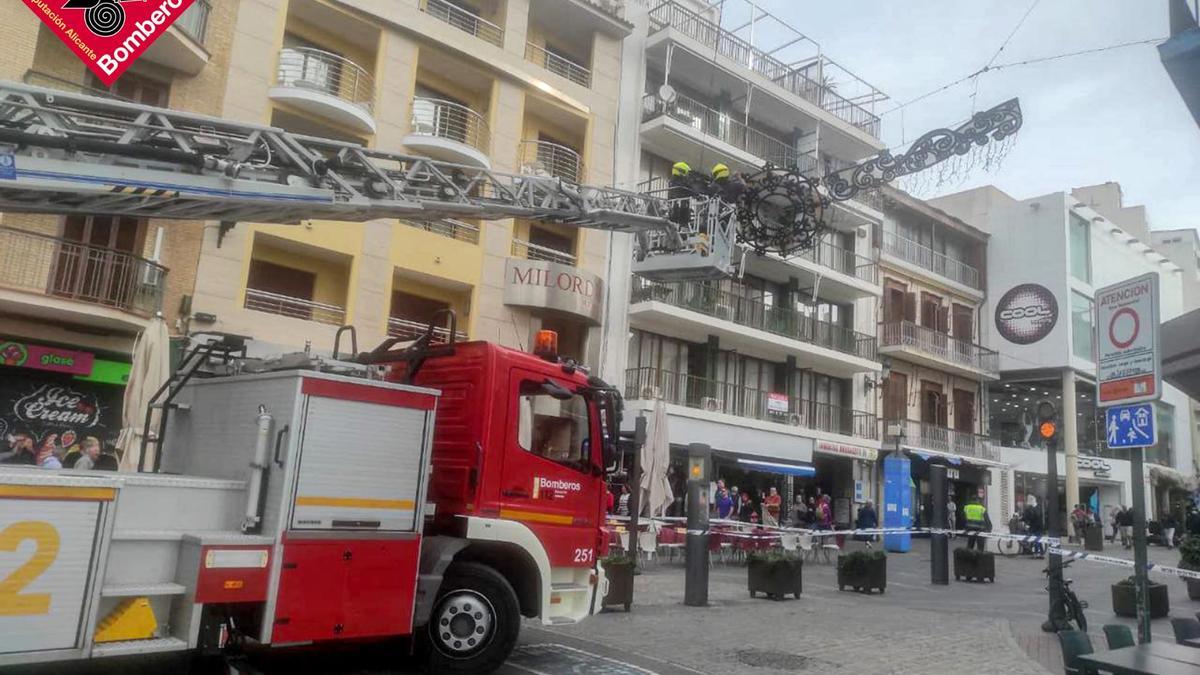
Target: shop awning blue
(804, 470)
(926, 456)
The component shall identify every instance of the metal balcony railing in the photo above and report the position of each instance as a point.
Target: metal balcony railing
(546, 158)
(926, 258)
(524, 249)
(328, 73)
(559, 65)
(464, 20)
(446, 227)
(296, 308)
(449, 120)
(790, 323)
(802, 81)
(53, 266)
(411, 330)
(828, 254)
(732, 399)
(941, 439)
(723, 127)
(940, 345)
(194, 21)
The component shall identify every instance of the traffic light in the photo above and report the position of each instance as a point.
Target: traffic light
(1046, 414)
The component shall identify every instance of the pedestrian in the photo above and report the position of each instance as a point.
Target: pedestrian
(20, 446)
(1125, 518)
(1112, 521)
(1033, 518)
(623, 502)
(746, 512)
(1078, 521)
(724, 501)
(771, 507)
(951, 516)
(47, 453)
(824, 514)
(867, 520)
(1193, 521)
(977, 521)
(728, 187)
(680, 191)
(1169, 523)
(89, 452)
(798, 516)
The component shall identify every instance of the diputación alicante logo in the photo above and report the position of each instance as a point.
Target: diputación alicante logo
(109, 35)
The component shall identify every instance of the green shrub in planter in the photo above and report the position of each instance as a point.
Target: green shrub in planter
(862, 571)
(619, 571)
(1124, 598)
(1189, 559)
(774, 575)
(974, 564)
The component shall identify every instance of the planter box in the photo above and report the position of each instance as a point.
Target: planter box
(1193, 588)
(1093, 538)
(620, 585)
(774, 579)
(976, 566)
(1124, 600)
(871, 575)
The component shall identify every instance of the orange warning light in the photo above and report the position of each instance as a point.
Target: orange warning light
(1047, 429)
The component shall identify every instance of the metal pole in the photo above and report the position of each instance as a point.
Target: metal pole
(939, 544)
(635, 488)
(1070, 439)
(1139, 544)
(695, 582)
(1057, 619)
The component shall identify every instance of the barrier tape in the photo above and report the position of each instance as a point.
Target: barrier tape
(1122, 562)
(775, 531)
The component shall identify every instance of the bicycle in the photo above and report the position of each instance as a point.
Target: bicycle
(1009, 547)
(1072, 606)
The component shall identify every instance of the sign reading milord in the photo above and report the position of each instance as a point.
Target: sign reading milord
(549, 285)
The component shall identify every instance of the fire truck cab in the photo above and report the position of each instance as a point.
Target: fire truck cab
(438, 491)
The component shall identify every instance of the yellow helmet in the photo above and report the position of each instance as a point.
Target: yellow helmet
(681, 169)
(720, 171)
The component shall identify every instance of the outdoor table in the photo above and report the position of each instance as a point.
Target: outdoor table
(1192, 642)
(1148, 659)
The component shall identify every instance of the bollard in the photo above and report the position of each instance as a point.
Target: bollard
(695, 583)
(939, 544)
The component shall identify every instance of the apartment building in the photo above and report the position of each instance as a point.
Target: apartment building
(511, 85)
(770, 368)
(934, 392)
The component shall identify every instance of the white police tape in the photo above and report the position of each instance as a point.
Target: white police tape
(1122, 562)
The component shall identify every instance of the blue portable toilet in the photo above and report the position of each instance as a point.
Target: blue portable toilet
(897, 502)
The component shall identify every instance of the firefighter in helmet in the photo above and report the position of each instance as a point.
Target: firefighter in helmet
(728, 186)
(680, 192)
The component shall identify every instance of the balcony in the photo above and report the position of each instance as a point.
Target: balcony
(941, 440)
(295, 308)
(446, 227)
(731, 399)
(666, 128)
(528, 251)
(411, 330)
(464, 20)
(449, 131)
(326, 85)
(693, 310)
(938, 350)
(181, 47)
(46, 270)
(924, 258)
(543, 158)
(559, 65)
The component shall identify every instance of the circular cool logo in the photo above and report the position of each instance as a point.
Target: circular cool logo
(1026, 314)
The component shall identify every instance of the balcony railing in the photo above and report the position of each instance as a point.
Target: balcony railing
(446, 227)
(449, 120)
(940, 345)
(926, 258)
(828, 254)
(559, 65)
(546, 158)
(731, 399)
(328, 73)
(941, 439)
(464, 20)
(524, 249)
(721, 126)
(411, 330)
(194, 21)
(92, 274)
(296, 308)
(799, 81)
(790, 323)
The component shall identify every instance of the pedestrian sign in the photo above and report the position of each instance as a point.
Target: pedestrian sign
(1131, 426)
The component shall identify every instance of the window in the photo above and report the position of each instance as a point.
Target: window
(1082, 344)
(1081, 248)
(895, 397)
(552, 428)
(964, 410)
(1163, 452)
(136, 88)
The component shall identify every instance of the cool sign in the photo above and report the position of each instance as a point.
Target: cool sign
(1127, 355)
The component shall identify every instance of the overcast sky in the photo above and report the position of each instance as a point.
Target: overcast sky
(1112, 116)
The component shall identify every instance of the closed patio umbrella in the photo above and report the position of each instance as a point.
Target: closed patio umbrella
(150, 369)
(656, 460)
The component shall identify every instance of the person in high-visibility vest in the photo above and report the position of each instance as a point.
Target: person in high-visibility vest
(977, 520)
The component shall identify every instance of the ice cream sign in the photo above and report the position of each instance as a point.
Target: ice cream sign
(39, 357)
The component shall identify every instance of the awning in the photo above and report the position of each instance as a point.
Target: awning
(1167, 475)
(805, 470)
(926, 453)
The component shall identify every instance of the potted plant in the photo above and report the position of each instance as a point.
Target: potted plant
(972, 564)
(862, 571)
(619, 571)
(1124, 598)
(1189, 559)
(774, 575)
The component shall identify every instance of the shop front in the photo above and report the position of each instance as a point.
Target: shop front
(1103, 481)
(964, 480)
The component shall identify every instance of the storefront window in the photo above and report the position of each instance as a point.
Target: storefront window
(1012, 419)
(1163, 452)
(1082, 340)
(1081, 249)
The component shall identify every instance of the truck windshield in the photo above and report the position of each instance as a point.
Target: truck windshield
(552, 428)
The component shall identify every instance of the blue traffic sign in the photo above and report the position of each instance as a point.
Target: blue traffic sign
(8, 166)
(1130, 426)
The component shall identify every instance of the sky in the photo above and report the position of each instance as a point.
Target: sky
(1110, 116)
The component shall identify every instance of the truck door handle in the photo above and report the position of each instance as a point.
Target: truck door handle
(279, 445)
(515, 492)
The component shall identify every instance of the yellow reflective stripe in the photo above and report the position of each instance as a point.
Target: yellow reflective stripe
(56, 492)
(536, 517)
(357, 503)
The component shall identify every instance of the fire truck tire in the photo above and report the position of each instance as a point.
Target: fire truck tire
(475, 621)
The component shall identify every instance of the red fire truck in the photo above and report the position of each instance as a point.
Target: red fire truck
(436, 490)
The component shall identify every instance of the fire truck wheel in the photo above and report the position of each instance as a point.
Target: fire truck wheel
(475, 623)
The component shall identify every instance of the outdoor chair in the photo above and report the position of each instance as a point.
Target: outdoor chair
(1185, 629)
(808, 547)
(669, 541)
(648, 545)
(828, 544)
(790, 543)
(1075, 643)
(1118, 636)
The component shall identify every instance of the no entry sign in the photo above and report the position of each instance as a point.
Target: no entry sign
(1128, 366)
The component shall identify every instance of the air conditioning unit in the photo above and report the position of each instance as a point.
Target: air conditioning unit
(650, 393)
(711, 404)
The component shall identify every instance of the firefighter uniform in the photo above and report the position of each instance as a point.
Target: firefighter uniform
(977, 520)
